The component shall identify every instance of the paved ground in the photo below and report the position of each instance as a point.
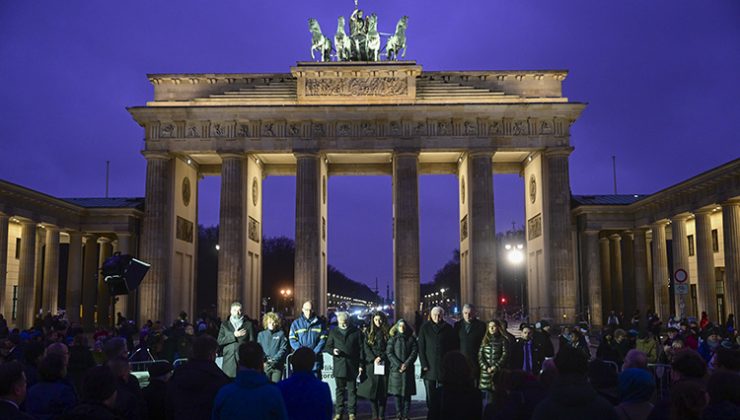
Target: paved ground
(418, 410)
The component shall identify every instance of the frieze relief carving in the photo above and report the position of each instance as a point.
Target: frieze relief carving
(184, 230)
(470, 128)
(268, 129)
(294, 129)
(444, 128)
(167, 130)
(361, 86)
(496, 128)
(192, 131)
(367, 128)
(253, 230)
(420, 128)
(534, 227)
(520, 128)
(464, 228)
(546, 127)
(344, 129)
(243, 130)
(318, 129)
(395, 128)
(219, 130)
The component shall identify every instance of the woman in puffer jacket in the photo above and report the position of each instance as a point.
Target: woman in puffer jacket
(492, 357)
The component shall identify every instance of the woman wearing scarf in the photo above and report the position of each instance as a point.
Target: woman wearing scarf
(402, 351)
(375, 387)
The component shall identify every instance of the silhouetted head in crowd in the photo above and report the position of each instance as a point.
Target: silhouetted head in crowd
(726, 357)
(115, 348)
(12, 382)
(602, 374)
(456, 370)
(60, 349)
(724, 386)
(635, 359)
(251, 356)
(205, 348)
(636, 385)
(688, 399)
(53, 367)
(303, 360)
(571, 361)
(687, 364)
(99, 386)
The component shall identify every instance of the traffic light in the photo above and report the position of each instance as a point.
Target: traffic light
(503, 300)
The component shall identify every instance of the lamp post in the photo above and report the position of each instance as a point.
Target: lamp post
(515, 256)
(285, 294)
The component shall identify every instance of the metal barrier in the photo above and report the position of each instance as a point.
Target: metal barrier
(662, 374)
(178, 362)
(613, 364)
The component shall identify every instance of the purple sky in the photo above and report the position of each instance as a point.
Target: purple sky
(662, 79)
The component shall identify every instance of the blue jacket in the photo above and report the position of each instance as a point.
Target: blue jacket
(306, 397)
(47, 400)
(309, 333)
(252, 396)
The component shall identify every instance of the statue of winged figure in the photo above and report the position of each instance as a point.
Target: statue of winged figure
(319, 42)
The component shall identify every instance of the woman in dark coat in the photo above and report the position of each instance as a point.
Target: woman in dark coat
(402, 351)
(374, 344)
(492, 357)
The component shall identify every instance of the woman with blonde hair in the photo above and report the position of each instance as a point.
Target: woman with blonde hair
(275, 345)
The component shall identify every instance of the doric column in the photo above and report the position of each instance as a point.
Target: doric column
(51, 271)
(156, 237)
(74, 278)
(406, 233)
(559, 237)
(731, 233)
(482, 232)
(4, 218)
(103, 298)
(660, 270)
(680, 248)
(642, 300)
(26, 271)
(628, 274)
(706, 294)
(606, 275)
(308, 231)
(38, 291)
(592, 275)
(231, 238)
(615, 249)
(89, 281)
(123, 245)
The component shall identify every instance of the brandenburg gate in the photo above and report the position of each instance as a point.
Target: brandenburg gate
(355, 118)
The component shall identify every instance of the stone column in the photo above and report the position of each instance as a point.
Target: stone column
(123, 245)
(706, 283)
(606, 276)
(103, 298)
(74, 278)
(4, 218)
(51, 271)
(731, 233)
(38, 278)
(592, 275)
(231, 233)
(406, 233)
(642, 298)
(89, 281)
(558, 234)
(628, 274)
(308, 230)
(482, 232)
(680, 248)
(26, 271)
(156, 239)
(660, 270)
(615, 248)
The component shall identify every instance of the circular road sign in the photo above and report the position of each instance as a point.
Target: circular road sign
(681, 275)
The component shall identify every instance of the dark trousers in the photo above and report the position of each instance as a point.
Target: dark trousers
(378, 408)
(348, 387)
(402, 406)
(274, 374)
(430, 386)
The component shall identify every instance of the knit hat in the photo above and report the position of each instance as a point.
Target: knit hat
(636, 385)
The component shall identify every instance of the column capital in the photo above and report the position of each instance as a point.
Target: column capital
(231, 155)
(735, 201)
(615, 237)
(681, 217)
(306, 154)
(658, 223)
(706, 210)
(156, 155)
(592, 231)
(628, 234)
(104, 240)
(558, 151)
(482, 153)
(604, 239)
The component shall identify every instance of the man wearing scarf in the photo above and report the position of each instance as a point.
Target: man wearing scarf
(236, 329)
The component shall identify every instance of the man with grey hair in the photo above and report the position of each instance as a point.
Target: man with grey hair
(436, 338)
(235, 330)
(469, 332)
(344, 345)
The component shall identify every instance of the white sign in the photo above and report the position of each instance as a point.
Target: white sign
(682, 289)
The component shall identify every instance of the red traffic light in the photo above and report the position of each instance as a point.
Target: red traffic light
(503, 300)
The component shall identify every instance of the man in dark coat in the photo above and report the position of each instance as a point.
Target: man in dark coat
(542, 339)
(194, 385)
(571, 396)
(12, 391)
(470, 331)
(525, 353)
(156, 392)
(436, 338)
(344, 344)
(234, 330)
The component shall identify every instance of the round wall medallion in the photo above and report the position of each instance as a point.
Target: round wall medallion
(462, 190)
(186, 191)
(323, 189)
(255, 191)
(532, 189)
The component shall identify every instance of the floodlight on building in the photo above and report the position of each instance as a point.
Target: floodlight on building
(218, 247)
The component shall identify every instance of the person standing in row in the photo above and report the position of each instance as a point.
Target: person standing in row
(374, 345)
(470, 331)
(235, 330)
(275, 344)
(526, 354)
(308, 330)
(493, 357)
(436, 338)
(344, 344)
(402, 351)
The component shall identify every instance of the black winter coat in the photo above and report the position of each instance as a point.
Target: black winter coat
(375, 387)
(452, 402)
(543, 341)
(517, 355)
(192, 389)
(349, 343)
(435, 340)
(155, 395)
(275, 346)
(402, 349)
(494, 354)
(230, 344)
(470, 340)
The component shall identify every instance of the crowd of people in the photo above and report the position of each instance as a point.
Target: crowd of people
(470, 369)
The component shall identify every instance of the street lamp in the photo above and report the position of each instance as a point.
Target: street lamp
(285, 293)
(515, 256)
